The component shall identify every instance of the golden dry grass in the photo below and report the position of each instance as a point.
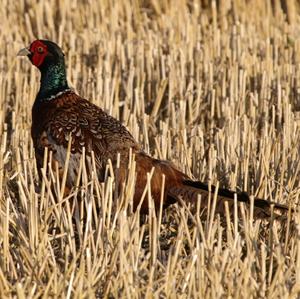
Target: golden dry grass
(213, 86)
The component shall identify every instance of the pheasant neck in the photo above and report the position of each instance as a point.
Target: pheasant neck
(53, 81)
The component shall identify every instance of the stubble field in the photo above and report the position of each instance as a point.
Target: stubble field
(213, 86)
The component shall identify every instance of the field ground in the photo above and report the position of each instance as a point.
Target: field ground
(213, 86)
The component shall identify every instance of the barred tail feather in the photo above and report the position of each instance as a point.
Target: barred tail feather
(190, 190)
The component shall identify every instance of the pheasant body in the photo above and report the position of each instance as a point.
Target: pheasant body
(68, 115)
(59, 113)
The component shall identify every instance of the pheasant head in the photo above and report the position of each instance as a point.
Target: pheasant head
(49, 59)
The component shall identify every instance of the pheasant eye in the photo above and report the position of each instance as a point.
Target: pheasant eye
(40, 49)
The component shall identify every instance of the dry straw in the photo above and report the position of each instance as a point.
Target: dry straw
(213, 86)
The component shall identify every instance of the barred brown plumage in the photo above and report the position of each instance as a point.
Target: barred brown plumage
(58, 112)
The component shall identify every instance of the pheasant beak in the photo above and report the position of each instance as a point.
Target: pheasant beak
(24, 52)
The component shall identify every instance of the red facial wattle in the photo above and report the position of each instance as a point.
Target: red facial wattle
(39, 52)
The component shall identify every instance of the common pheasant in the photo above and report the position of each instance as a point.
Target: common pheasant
(58, 113)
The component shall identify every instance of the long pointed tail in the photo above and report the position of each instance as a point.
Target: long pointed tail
(190, 191)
